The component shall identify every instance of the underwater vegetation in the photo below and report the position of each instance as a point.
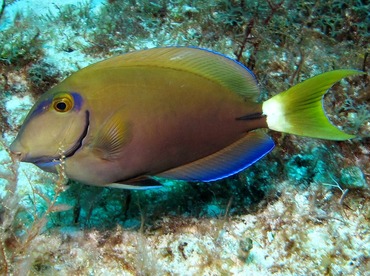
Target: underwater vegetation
(302, 209)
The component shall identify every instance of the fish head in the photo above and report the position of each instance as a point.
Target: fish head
(54, 129)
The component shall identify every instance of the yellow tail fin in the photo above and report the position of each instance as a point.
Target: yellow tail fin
(299, 110)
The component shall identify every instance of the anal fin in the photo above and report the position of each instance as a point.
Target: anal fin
(228, 161)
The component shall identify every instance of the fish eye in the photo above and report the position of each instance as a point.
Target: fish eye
(61, 106)
(63, 103)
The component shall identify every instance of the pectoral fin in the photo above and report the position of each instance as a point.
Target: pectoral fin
(112, 136)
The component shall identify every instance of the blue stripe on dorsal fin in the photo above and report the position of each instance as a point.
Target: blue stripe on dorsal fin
(225, 56)
(231, 160)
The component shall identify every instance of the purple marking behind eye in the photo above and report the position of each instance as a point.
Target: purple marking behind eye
(78, 101)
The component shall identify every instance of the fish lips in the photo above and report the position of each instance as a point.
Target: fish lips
(48, 163)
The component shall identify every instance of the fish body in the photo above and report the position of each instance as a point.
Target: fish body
(180, 113)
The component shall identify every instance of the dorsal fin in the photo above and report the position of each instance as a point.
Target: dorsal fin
(211, 65)
(228, 161)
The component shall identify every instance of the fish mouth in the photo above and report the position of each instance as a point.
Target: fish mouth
(45, 162)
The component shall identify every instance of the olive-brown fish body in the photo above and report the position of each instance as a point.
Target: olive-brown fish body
(158, 109)
(180, 113)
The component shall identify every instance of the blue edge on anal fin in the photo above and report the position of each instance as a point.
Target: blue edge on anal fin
(229, 161)
(245, 160)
